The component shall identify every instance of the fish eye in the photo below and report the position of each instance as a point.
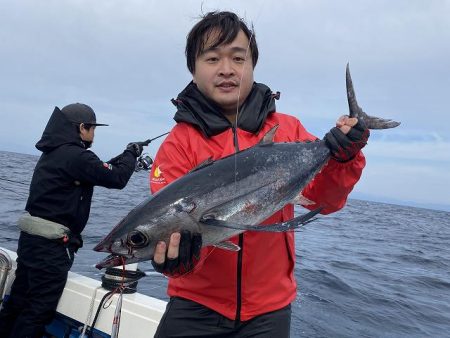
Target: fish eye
(137, 239)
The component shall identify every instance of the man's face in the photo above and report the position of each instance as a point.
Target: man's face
(225, 74)
(87, 134)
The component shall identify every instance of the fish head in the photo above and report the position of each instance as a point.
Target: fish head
(135, 237)
(134, 246)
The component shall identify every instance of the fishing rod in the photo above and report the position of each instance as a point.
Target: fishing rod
(146, 143)
(144, 162)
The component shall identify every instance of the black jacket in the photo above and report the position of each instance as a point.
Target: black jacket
(66, 173)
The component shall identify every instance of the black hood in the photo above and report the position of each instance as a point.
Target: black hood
(195, 108)
(59, 131)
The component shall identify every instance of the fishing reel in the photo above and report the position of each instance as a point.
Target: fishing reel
(143, 162)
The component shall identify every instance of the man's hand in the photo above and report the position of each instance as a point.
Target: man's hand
(180, 256)
(135, 148)
(346, 139)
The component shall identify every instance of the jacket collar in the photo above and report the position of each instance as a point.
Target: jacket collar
(195, 108)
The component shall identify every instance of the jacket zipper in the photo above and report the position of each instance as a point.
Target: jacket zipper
(241, 245)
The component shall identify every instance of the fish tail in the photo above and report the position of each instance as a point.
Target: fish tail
(372, 122)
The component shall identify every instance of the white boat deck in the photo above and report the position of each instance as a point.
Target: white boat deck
(140, 313)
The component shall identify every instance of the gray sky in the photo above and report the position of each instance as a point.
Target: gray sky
(126, 60)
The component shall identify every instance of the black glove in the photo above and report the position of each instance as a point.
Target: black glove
(135, 148)
(188, 256)
(344, 147)
(115, 160)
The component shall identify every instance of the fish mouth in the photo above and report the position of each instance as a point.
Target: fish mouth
(100, 247)
(114, 260)
(111, 261)
(103, 246)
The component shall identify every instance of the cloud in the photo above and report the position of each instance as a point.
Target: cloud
(127, 61)
(409, 171)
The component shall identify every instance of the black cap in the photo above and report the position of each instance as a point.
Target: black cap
(81, 113)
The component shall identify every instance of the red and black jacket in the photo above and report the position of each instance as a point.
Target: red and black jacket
(260, 277)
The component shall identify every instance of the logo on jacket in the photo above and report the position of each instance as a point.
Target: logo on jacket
(158, 177)
(157, 172)
(107, 165)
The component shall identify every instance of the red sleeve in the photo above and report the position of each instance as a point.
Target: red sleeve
(172, 160)
(332, 185)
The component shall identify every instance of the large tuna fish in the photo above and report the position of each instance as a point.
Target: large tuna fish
(223, 198)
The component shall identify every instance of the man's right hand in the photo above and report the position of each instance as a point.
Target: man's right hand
(135, 148)
(180, 256)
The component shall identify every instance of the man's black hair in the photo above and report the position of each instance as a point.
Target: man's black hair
(227, 24)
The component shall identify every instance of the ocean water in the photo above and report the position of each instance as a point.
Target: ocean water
(369, 270)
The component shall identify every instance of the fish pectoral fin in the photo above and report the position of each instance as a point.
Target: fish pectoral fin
(227, 245)
(224, 224)
(302, 200)
(293, 224)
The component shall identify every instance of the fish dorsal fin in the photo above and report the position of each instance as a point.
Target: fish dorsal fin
(268, 137)
(203, 164)
(227, 245)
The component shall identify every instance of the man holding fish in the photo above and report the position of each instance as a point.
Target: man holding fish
(246, 292)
